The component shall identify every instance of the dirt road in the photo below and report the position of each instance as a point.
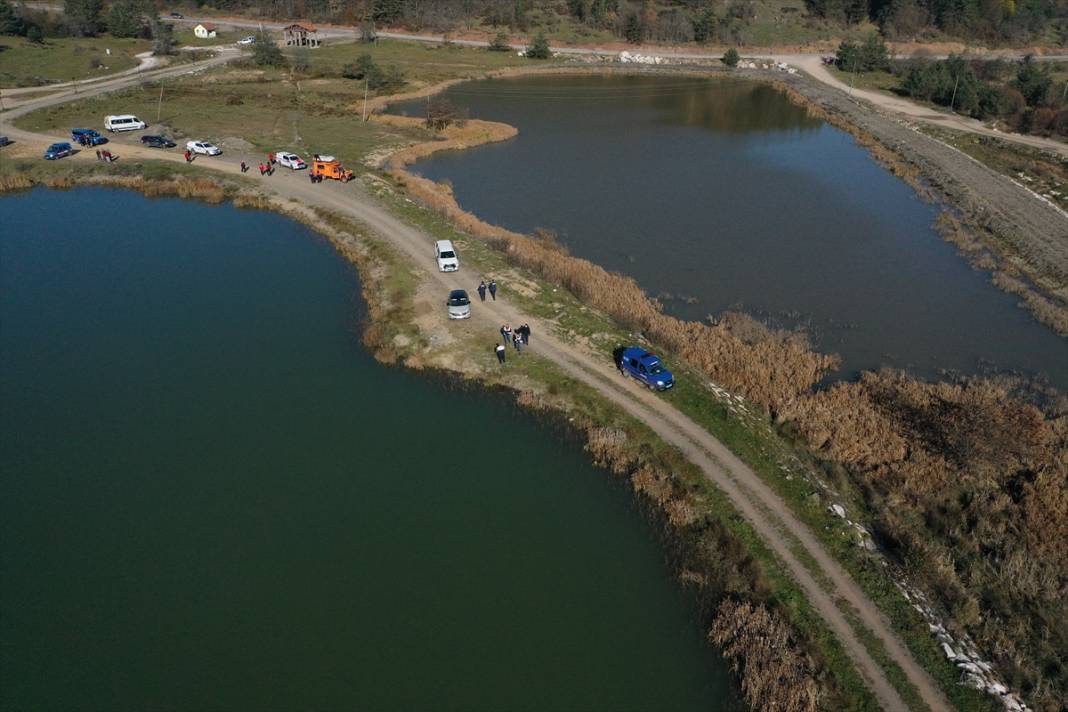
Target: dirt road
(766, 512)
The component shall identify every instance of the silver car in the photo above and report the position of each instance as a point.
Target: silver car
(459, 304)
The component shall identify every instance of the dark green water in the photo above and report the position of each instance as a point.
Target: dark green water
(212, 498)
(725, 194)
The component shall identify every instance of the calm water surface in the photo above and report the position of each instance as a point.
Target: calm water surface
(724, 195)
(211, 497)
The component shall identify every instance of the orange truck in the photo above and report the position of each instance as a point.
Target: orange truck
(330, 167)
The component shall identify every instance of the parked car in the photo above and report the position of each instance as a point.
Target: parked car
(177, 16)
(639, 364)
(204, 148)
(87, 137)
(4, 141)
(250, 40)
(124, 122)
(459, 304)
(290, 160)
(58, 150)
(158, 142)
(447, 259)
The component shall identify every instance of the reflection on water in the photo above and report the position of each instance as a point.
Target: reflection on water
(720, 194)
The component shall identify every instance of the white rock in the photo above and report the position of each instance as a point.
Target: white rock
(837, 510)
(949, 651)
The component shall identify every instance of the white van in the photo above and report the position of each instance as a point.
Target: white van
(446, 254)
(124, 122)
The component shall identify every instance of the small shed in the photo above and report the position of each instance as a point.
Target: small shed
(301, 34)
(205, 30)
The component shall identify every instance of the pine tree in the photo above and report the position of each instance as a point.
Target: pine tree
(83, 16)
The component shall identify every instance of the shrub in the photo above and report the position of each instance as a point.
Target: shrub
(500, 43)
(266, 53)
(731, 58)
(539, 48)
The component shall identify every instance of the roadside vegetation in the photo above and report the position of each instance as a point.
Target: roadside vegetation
(1025, 96)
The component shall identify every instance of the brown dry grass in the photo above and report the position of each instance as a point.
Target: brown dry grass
(776, 674)
(14, 183)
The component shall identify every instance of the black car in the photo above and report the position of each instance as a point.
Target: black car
(177, 16)
(158, 142)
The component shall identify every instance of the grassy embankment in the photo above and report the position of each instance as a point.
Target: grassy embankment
(27, 64)
(778, 375)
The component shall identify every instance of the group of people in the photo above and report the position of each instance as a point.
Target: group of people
(518, 338)
(104, 156)
(86, 141)
(482, 287)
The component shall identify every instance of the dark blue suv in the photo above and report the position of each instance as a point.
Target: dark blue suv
(87, 137)
(643, 366)
(58, 150)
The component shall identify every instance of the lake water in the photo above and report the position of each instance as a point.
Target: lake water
(211, 497)
(724, 195)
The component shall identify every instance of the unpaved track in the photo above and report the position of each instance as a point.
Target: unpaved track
(765, 510)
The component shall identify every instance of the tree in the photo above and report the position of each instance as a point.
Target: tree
(633, 28)
(265, 51)
(439, 113)
(500, 43)
(10, 22)
(361, 68)
(539, 48)
(1033, 81)
(162, 35)
(124, 18)
(83, 16)
(704, 25)
(873, 53)
(731, 58)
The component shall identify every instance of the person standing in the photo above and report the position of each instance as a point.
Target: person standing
(493, 290)
(499, 349)
(526, 334)
(244, 167)
(507, 334)
(482, 291)
(504, 339)
(517, 342)
(270, 159)
(98, 154)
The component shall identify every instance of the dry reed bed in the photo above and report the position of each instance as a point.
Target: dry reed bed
(961, 478)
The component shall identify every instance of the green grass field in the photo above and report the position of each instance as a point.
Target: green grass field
(25, 64)
(246, 108)
(421, 63)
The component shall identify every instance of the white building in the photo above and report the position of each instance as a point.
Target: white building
(205, 30)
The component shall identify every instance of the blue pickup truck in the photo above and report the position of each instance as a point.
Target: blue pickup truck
(87, 137)
(639, 364)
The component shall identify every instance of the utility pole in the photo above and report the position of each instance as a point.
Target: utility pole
(953, 99)
(366, 81)
(159, 105)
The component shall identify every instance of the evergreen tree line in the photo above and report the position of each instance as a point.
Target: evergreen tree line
(86, 18)
(1021, 94)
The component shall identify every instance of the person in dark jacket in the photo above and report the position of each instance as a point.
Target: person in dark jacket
(500, 351)
(493, 290)
(482, 291)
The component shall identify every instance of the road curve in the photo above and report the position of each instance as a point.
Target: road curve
(769, 515)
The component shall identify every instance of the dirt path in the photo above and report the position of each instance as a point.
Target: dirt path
(766, 512)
